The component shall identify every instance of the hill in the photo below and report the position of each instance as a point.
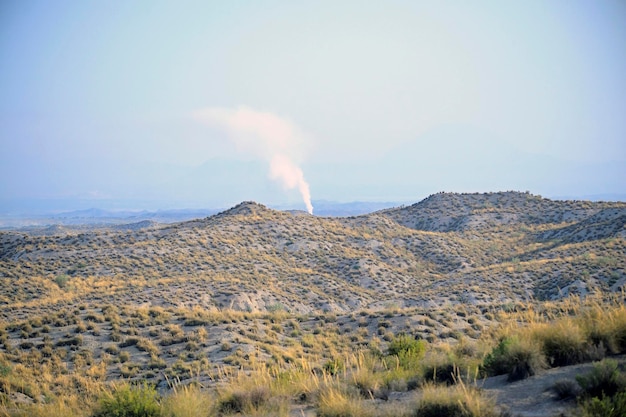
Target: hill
(452, 212)
(449, 248)
(251, 285)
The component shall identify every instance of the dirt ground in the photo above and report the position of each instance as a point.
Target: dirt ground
(534, 396)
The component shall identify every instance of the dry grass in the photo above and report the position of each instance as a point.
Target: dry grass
(347, 388)
(557, 334)
(188, 401)
(71, 406)
(457, 400)
(337, 401)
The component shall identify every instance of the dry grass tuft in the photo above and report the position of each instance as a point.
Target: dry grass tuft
(188, 401)
(459, 400)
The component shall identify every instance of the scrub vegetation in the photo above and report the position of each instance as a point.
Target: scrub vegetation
(404, 312)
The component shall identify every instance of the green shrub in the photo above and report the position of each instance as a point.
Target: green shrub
(497, 362)
(404, 343)
(605, 407)
(515, 357)
(61, 280)
(129, 401)
(604, 380)
(334, 366)
(408, 350)
(5, 369)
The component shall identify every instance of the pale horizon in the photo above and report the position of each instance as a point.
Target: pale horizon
(182, 105)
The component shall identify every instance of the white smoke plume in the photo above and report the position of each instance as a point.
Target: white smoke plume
(266, 136)
(284, 170)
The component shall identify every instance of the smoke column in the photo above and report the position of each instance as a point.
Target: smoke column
(284, 170)
(266, 136)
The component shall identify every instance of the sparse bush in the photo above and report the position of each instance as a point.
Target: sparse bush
(81, 327)
(526, 359)
(519, 358)
(244, 401)
(605, 406)
(192, 346)
(496, 362)
(408, 350)
(61, 280)
(130, 341)
(564, 343)
(566, 389)
(367, 383)
(336, 401)
(442, 373)
(405, 343)
(334, 366)
(129, 370)
(26, 345)
(604, 379)
(454, 401)
(618, 321)
(200, 335)
(112, 350)
(157, 363)
(187, 401)
(146, 345)
(70, 341)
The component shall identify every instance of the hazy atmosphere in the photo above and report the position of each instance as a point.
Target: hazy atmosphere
(157, 105)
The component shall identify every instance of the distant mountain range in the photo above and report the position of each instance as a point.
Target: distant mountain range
(101, 217)
(93, 217)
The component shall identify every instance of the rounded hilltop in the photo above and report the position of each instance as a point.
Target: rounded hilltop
(245, 208)
(446, 212)
(252, 208)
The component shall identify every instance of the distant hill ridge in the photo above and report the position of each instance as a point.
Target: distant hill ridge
(245, 208)
(448, 248)
(446, 212)
(219, 295)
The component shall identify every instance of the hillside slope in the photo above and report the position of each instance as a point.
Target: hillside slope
(449, 248)
(447, 212)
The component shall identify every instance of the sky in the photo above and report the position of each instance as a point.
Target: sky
(203, 104)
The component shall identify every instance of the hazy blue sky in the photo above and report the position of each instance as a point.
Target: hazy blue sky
(164, 104)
